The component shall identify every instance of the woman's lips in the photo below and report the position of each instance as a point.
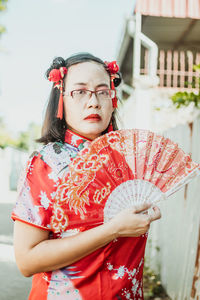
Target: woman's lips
(93, 117)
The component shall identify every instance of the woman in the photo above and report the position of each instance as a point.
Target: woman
(96, 262)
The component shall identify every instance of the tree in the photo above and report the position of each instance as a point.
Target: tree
(26, 139)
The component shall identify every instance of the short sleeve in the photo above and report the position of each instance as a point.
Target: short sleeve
(36, 190)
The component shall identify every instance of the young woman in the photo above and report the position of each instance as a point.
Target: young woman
(100, 262)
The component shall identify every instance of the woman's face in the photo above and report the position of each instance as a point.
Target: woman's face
(80, 115)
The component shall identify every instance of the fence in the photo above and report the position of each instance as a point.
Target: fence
(175, 68)
(173, 248)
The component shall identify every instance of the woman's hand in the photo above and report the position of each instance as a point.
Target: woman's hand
(36, 253)
(132, 222)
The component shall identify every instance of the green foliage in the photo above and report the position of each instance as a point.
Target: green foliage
(184, 99)
(5, 136)
(3, 4)
(152, 285)
(6, 140)
(196, 68)
(2, 8)
(25, 139)
(181, 99)
(2, 29)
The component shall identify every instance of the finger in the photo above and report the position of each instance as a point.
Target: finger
(157, 211)
(156, 208)
(141, 207)
(155, 215)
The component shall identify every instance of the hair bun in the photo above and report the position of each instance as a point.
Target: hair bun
(118, 79)
(56, 64)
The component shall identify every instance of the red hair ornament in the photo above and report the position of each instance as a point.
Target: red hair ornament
(112, 68)
(57, 75)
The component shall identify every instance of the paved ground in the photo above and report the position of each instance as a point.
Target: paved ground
(13, 286)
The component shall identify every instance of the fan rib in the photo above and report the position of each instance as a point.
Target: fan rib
(167, 165)
(183, 181)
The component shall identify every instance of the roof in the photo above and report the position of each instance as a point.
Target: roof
(169, 8)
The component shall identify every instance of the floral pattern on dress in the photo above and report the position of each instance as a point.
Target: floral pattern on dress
(39, 180)
(60, 285)
(90, 277)
(58, 161)
(69, 190)
(135, 292)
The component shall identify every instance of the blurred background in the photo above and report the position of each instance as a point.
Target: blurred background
(157, 46)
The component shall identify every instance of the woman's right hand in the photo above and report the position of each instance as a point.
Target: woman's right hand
(132, 223)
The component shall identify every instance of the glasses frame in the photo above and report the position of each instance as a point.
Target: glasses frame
(91, 92)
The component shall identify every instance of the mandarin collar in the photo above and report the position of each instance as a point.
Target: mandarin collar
(75, 139)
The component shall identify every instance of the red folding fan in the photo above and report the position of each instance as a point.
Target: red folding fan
(120, 169)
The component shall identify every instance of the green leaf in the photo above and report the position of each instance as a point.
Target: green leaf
(196, 68)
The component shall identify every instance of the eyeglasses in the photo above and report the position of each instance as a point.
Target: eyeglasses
(83, 94)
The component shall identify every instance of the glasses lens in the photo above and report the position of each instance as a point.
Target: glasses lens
(80, 94)
(104, 94)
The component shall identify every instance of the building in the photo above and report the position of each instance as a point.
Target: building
(160, 45)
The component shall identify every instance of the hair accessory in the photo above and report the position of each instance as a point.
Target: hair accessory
(57, 75)
(112, 68)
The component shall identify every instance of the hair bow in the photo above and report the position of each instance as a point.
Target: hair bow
(57, 75)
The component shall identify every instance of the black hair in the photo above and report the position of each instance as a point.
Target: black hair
(53, 129)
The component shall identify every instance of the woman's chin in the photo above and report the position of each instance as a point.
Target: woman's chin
(89, 130)
(94, 128)
(92, 132)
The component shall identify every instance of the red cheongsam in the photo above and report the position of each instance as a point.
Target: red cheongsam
(112, 272)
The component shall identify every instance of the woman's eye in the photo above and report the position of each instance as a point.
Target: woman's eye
(103, 93)
(81, 92)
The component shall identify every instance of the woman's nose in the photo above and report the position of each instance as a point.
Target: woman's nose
(93, 101)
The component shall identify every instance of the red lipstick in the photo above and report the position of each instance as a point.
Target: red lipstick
(93, 117)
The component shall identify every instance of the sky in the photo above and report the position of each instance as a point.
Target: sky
(39, 30)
